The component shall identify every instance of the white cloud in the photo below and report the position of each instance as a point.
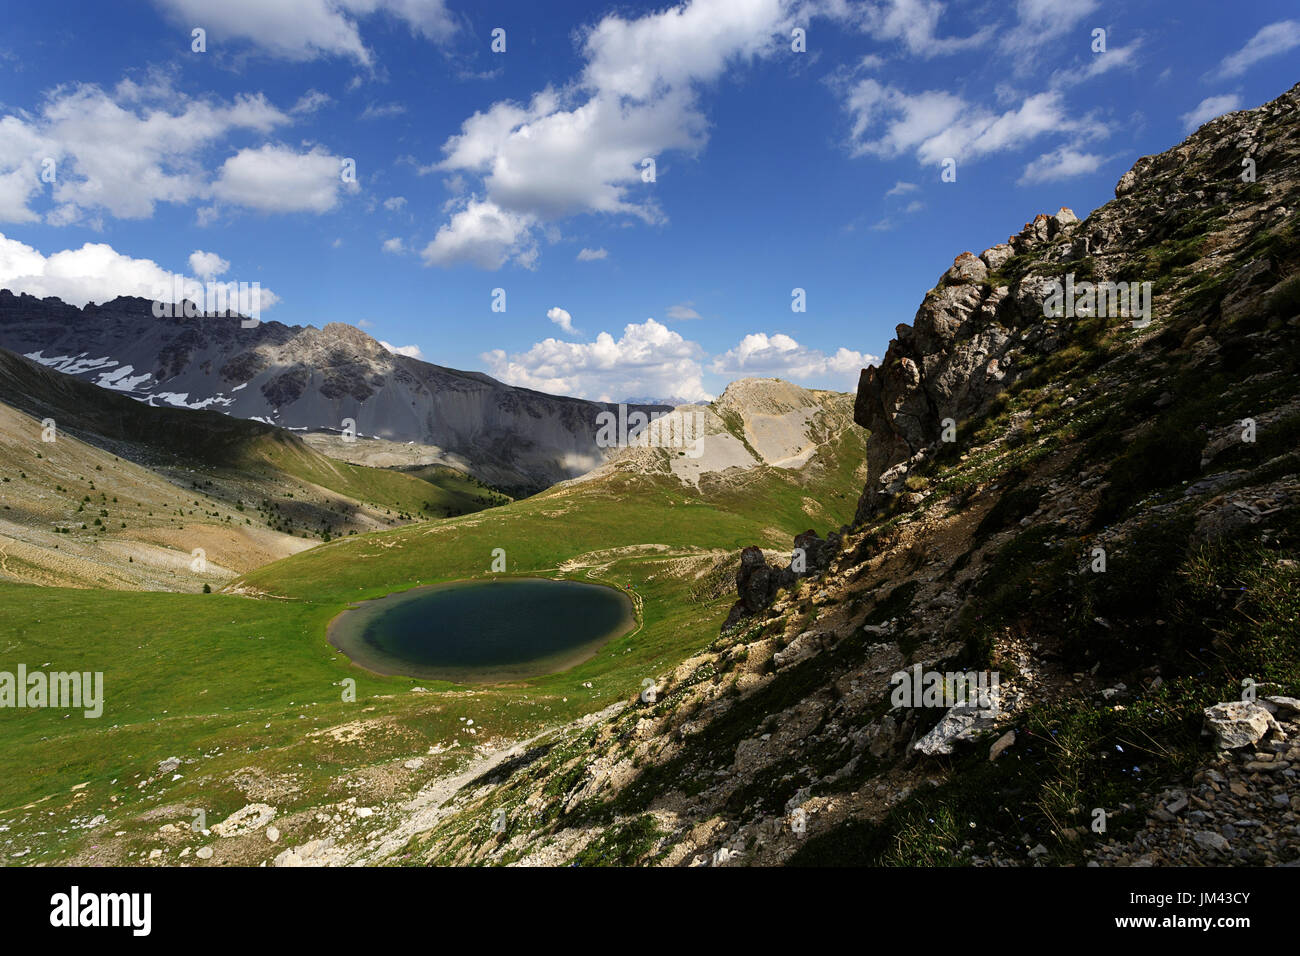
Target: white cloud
(683, 311)
(935, 124)
(394, 246)
(311, 101)
(383, 110)
(591, 255)
(579, 149)
(94, 273)
(395, 203)
(1061, 163)
(306, 29)
(1098, 64)
(207, 265)
(1274, 39)
(649, 359)
(901, 188)
(119, 153)
(760, 354)
(1041, 23)
(1208, 109)
(561, 318)
(482, 234)
(278, 179)
(410, 351)
(913, 23)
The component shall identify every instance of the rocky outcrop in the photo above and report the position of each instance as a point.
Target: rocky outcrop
(984, 323)
(960, 351)
(758, 582)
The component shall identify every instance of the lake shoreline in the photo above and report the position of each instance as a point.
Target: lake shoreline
(351, 632)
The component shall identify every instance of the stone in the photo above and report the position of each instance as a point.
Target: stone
(1210, 840)
(800, 649)
(967, 268)
(1286, 706)
(996, 256)
(250, 818)
(1001, 744)
(204, 853)
(1238, 724)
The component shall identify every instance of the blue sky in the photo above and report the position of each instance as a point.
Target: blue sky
(479, 170)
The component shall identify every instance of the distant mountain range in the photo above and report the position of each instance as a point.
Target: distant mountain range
(310, 379)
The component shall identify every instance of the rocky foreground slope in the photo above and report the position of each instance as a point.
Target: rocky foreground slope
(1096, 516)
(310, 379)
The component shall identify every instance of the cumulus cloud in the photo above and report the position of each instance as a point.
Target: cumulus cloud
(482, 234)
(591, 255)
(561, 318)
(207, 265)
(779, 355)
(1272, 40)
(95, 273)
(649, 359)
(1208, 109)
(306, 29)
(395, 203)
(120, 152)
(394, 246)
(279, 179)
(580, 149)
(1062, 163)
(410, 351)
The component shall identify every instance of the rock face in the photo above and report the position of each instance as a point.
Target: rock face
(310, 379)
(978, 331)
(961, 350)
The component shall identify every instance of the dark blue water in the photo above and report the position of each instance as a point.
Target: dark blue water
(483, 631)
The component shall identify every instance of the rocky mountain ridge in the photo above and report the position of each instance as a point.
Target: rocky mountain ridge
(306, 378)
(755, 422)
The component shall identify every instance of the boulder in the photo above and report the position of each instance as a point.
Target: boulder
(250, 818)
(1238, 723)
